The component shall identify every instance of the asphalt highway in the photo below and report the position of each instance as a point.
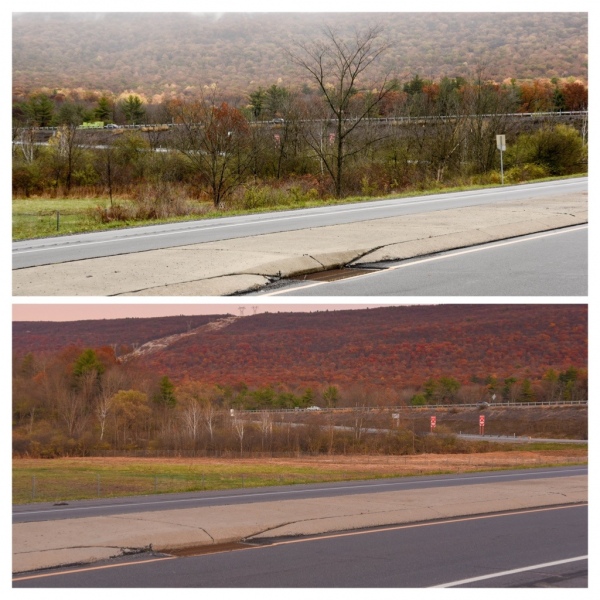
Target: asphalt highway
(549, 263)
(543, 548)
(30, 253)
(120, 506)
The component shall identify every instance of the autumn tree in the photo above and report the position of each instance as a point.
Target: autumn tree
(130, 409)
(575, 96)
(487, 106)
(66, 151)
(215, 140)
(338, 66)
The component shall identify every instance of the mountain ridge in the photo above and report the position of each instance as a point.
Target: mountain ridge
(158, 55)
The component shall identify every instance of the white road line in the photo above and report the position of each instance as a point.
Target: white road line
(511, 572)
(291, 492)
(345, 534)
(450, 254)
(448, 521)
(86, 569)
(418, 200)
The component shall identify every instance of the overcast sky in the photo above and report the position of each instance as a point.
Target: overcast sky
(78, 312)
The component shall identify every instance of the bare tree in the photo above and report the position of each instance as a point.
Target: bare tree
(67, 151)
(209, 417)
(238, 427)
(214, 137)
(266, 428)
(109, 385)
(338, 65)
(24, 137)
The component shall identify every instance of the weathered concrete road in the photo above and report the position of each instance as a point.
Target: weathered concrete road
(226, 267)
(44, 544)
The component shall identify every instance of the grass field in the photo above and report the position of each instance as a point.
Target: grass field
(37, 217)
(39, 480)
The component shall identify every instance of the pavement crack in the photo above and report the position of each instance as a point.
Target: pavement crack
(167, 522)
(315, 259)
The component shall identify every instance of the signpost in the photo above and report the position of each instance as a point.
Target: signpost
(432, 422)
(501, 145)
(481, 424)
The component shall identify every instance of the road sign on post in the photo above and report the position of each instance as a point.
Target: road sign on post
(481, 424)
(433, 420)
(501, 145)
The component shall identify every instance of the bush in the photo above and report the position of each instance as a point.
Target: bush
(558, 150)
(525, 172)
(296, 192)
(151, 201)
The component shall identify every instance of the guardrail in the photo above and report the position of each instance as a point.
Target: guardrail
(480, 405)
(407, 119)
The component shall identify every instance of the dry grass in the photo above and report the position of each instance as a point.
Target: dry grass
(39, 480)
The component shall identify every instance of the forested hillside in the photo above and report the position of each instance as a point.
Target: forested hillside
(47, 336)
(178, 399)
(390, 347)
(158, 55)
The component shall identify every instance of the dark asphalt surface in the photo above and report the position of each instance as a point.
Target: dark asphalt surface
(30, 253)
(546, 264)
(429, 554)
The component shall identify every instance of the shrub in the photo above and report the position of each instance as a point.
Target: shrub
(558, 150)
(152, 201)
(525, 172)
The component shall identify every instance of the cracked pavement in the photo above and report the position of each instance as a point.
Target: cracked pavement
(46, 544)
(247, 264)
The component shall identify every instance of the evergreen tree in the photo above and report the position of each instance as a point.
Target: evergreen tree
(103, 111)
(133, 109)
(40, 110)
(166, 394)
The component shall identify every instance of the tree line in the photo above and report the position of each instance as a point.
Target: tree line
(82, 402)
(321, 141)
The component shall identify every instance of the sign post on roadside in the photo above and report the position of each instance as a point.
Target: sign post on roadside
(481, 424)
(501, 145)
(432, 424)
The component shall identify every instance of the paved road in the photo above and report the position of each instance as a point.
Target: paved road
(543, 548)
(120, 506)
(550, 263)
(47, 251)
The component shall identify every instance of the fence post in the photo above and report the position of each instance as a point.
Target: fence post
(98, 484)
(33, 487)
(57, 220)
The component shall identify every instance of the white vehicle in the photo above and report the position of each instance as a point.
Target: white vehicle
(313, 408)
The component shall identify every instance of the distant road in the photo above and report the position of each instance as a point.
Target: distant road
(545, 548)
(47, 251)
(121, 506)
(549, 263)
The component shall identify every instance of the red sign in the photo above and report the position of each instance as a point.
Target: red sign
(481, 420)
(433, 422)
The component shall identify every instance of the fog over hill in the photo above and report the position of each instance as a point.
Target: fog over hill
(159, 55)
